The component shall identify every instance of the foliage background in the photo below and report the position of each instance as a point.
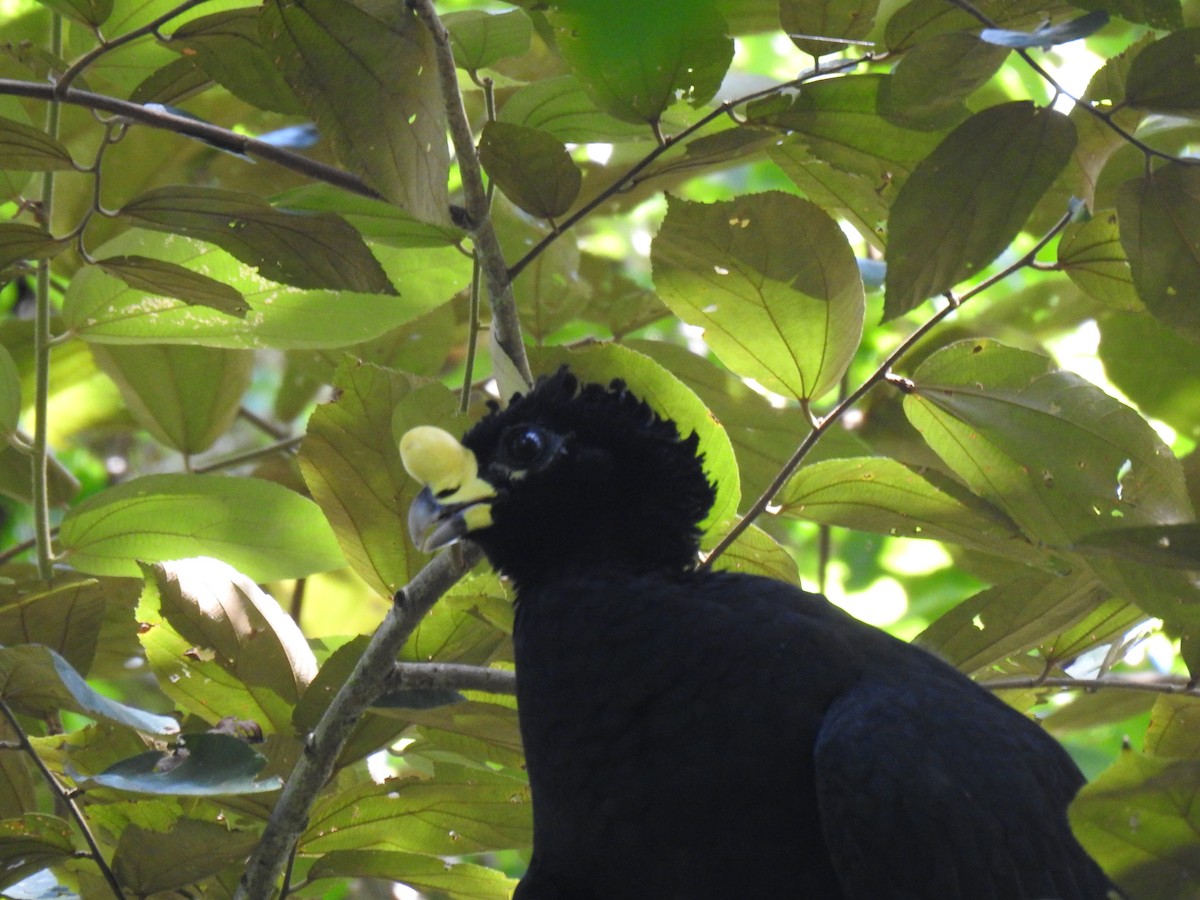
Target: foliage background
(246, 246)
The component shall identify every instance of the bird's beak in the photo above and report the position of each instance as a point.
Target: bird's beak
(455, 500)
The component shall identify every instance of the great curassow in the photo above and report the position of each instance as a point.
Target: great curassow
(708, 735)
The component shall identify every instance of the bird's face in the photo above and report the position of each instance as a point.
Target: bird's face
(567, 477)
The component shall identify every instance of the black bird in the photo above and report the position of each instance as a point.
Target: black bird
(695, 735)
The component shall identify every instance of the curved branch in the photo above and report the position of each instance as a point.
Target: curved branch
(157, 117)
(368, 680)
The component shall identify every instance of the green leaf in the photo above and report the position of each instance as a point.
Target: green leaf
(1058, 455)
(261, 529)
(670, 398)
(16, 477)
(32, 843)
(463, 881)
(481, 39)
(1169, 388)
(773, 282)
(37, 681)
(532, 168)
(1011, 618)
(804, 20)
(929, 84)
(1173, 730)
(104, 309)
(65, 615)
(462, 811)
(391, 128)
(186, 397)
(1165, 77)
(20, 242)
(172, 84)
(376, 220)
(1162, 546)
(10, 394)
(213, 607)
(203, 765)
(883, 496)
(89, 12)
(147, 862)
(970, 198)
(1160, 221)
(635, 59)
(310, 250)
(560, 106)
(228, 47)
(351, 464)
(1142, 819)
(164, 279)
(1091, 255)
(757, 552)
(31, 149)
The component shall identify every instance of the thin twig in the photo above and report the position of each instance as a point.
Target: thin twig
(65, 797)
(1157, 684)
(285, 446)
(158, 117)
(506, 326)
(662, 147)
(883, 373)
(107, 46)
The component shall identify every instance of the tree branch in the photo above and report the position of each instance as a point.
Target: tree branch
(407, 676)
(1157, 684)
(368, 680)
(157, 117)
(506, 326)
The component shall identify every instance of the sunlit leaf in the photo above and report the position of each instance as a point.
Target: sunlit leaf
(65, 615)
(260, 528)
(772, 281)
(391, 127)
(1141, 817)
(531, 167)
(1174, 729)
(1160, 221)
(758, 553)
(157, 277)
(351, 463)
(1090, 253)
(89, 12)
(310, 250)
(464, 881)
(634, 58)
(1165, 546)
(1058, 455)
(1166, 386)
(202, 765)
(481, 39)
(186, 397)
(20, 242)
(31, 843)
(967, 201)
(560, 106)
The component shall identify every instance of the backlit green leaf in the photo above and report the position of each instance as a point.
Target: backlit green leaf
(32, 843)
(929, 84)
(351, 463)
(186, 397)
(772, 281)
(1090, 253)
(65, 616)
(1160, 230)
(1058, 455)
(258, 527)
(10, 394)
(149, 861)
(969, 200)
(31, 149)
(391, 128)
(21, 242)
(463, 881)
(89, 12)
(310, 250)
(636, 59)
(481, 38)
(1166, 387)
(560, 106)
(531, 167)
(804, 20)
(1164, 546)
(1141, 817)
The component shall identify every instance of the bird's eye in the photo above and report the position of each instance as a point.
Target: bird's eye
(526, 445)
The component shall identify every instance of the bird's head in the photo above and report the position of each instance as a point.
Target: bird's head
(566, 477)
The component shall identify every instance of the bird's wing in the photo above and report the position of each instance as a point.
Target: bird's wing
(930, 789)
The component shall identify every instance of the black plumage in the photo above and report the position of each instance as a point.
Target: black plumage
(696, 734)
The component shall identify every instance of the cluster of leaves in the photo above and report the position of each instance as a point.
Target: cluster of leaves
(177, 311)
